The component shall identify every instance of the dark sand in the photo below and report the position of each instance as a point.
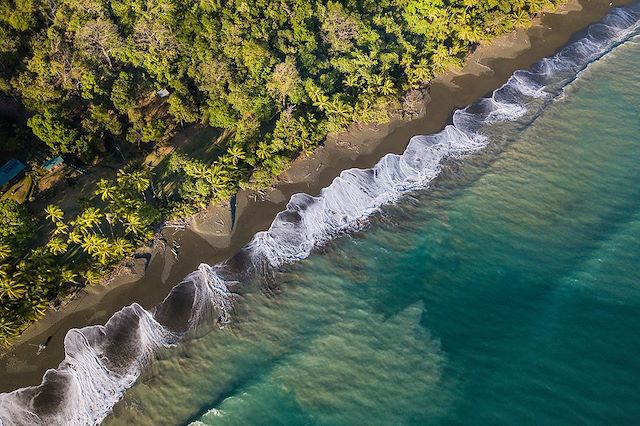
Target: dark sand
(208, 239)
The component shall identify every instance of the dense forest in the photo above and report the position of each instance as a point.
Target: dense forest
(276, 75)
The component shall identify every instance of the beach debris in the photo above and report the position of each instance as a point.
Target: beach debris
(42, 346)
(175, 247)
(178, 224)
(412, 103)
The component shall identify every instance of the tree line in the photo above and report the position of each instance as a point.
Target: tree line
(280, 74)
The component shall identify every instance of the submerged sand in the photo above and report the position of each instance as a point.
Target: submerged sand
(210, 237)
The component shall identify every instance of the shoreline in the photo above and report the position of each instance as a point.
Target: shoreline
(208, 237)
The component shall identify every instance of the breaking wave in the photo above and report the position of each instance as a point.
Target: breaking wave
(309, 221)
(102, 362)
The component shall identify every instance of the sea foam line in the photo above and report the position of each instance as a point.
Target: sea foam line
(102, 362)
(353, 196)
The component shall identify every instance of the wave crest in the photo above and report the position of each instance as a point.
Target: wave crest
(101, 362)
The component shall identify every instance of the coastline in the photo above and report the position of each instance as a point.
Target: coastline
(208, 238)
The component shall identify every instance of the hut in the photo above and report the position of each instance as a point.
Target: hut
(11, 172)
(53, 164)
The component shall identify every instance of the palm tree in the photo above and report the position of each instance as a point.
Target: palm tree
(440, 58)
(38, 307)
(93, 276)
(419, 73)
(536, 6)
(264, 151)
(104, 253)
(92, 217)
(57, 246)
(216, 174)
(124, 205)
(314, 93)
(61, 228)
(229, 162)
(121, 247)
(320, 100)
(521, 19)
(340, 109)
(98, 247)
(470, 33)
(387, 87)
(67, 276)
(75, 236)
(236, 153)
(106, 189)
(5, 251)
(195, 169)
(307, 147)
(91, 244)
(140, 181)
(498, 23)
(133, 224)
(11, 288)
(54, 213)
(40, 259)
(8, 327)
(80, 224)
(122, 178)
(351, 80)
(376, 80)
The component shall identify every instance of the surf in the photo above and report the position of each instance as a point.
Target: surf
(102, 362)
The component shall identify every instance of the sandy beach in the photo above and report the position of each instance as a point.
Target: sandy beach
(210, 237)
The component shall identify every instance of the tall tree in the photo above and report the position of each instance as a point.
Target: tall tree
(99, 38)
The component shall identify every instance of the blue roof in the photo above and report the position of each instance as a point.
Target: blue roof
(53, 163)
(11, 169)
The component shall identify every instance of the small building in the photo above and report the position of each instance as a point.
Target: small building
(162, 93)
(11, 172)
(53, 164)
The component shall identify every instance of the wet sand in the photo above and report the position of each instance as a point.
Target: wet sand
(209, 237)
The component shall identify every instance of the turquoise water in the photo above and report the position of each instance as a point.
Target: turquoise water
(508, 292)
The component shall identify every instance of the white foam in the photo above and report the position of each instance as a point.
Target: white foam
(93, 380)
(211, 294)
(354, 195)
(100, 364)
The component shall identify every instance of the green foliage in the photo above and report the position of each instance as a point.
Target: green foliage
(122, 95)
(52, 130)
(16, 223)
(153, 131)
(86, 71)
(285, 82)
(101, 118)
(78, 251)
(276, 75)
(204, 183)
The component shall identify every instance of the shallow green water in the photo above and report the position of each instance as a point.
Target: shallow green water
(507, 293)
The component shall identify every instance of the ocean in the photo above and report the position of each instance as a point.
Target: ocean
(489, 275)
